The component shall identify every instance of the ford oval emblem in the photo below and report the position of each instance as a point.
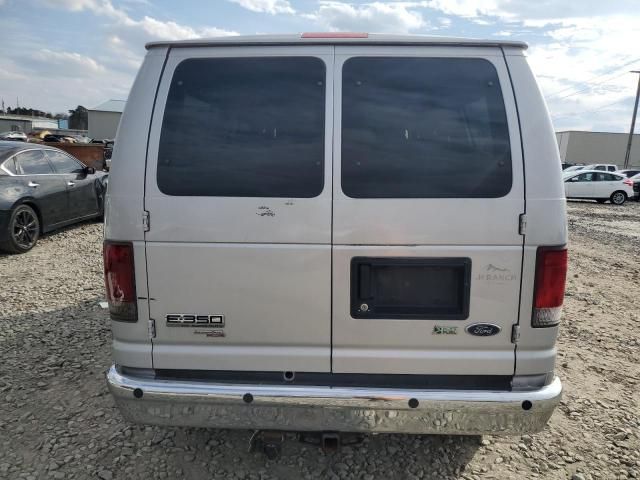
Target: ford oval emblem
(483, 329)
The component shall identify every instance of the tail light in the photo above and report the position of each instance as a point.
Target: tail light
(551, 276)
(628, 182)
(120, 281)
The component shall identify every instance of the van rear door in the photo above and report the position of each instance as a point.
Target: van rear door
(428, 190)
(238, 189)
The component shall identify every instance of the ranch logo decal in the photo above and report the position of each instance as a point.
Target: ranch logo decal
(493, 273)
(439, 330)
(483, 329)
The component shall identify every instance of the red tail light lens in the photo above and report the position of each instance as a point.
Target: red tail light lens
(551, 276)
(120, 281)
(627, 181)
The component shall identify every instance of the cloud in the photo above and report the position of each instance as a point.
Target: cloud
(148, 28)
(126, 36)
(396, 17)
(153, 29)
(60, 78)
(11, 74)
(466, 8)
(73, 5)
(272, 7)
(519, 10)
(69, 64)
(583, 69)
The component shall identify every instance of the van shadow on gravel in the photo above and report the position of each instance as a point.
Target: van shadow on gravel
(59, 421)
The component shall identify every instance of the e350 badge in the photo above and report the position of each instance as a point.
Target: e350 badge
(195, 320)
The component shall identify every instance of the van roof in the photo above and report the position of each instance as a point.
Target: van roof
(336, 38)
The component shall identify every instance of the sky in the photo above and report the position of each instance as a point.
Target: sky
(57, 54)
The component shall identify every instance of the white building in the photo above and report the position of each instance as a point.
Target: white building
(597, 147)
(25, 123)
(104, 119)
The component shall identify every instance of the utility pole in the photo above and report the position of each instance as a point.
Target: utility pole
(633, 124)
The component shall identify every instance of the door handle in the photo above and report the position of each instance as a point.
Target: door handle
(71, 184)
(34, 184)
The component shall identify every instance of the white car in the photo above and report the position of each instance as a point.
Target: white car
(598, 185)
(629, 172)
(15, 136)
(572, 169)
(606, 167)
(285, 247)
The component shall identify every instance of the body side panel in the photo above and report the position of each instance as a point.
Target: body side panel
(546, 212)
(124, 204)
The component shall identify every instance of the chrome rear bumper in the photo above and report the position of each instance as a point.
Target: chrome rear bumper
(302, 408)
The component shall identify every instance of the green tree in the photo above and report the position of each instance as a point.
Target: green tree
(79, 118)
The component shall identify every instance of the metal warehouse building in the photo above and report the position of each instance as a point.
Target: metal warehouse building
(25, 123)
(104, 119)
(597, 147)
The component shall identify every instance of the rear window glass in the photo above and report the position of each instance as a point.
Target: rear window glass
(32, 162)
(423, 127)
(244, 127)
(10, 166)
(63, 163)
(587, 177)
(608, 177)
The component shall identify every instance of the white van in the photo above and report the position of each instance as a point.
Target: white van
(336, 233)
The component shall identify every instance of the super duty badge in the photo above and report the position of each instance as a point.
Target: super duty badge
(194, 320)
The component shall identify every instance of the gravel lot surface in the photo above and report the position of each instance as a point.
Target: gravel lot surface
(58, 421)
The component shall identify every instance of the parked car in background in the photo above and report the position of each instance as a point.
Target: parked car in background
(59, 138)
(14, 136)
(81, 138)
(573, 168)
(598, 185)
(606, 167)
(108, 150)
(43, 188)
(636, 186)
(629, 172)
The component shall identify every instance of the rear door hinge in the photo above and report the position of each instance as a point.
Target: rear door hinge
(522, 224)
(146, 225)
(515, 333)
(152, 328)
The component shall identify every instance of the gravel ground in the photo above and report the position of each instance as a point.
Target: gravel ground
(58, 420)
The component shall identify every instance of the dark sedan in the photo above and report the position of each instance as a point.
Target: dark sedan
(41, 189)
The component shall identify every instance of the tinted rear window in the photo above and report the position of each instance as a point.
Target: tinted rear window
(244, 127)
(32, 162)
(10, 166)
(423, 127)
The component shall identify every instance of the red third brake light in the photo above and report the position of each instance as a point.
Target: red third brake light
(120, 281)
(551, 276)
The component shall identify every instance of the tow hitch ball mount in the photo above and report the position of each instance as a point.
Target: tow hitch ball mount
(270, 442)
